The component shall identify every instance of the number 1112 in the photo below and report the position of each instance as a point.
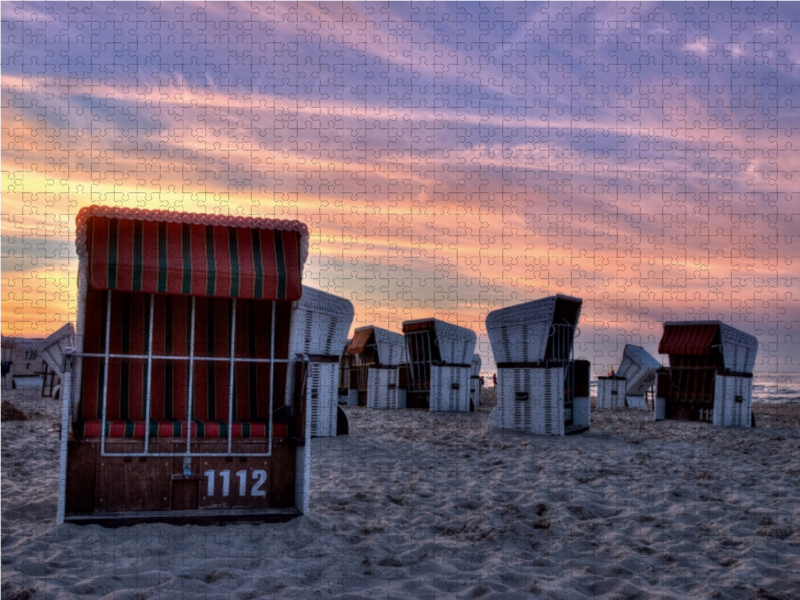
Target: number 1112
(259, 476)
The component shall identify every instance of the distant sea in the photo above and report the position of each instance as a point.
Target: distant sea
(784, 387)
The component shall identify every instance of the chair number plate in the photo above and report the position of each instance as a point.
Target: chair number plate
(258, 479)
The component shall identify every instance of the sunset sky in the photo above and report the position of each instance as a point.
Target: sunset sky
(448, 159)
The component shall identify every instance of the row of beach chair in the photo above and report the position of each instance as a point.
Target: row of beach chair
(201, 367)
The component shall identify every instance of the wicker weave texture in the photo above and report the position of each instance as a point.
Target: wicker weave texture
(54, 346)
(322, 398)
(733, 401)
(449, 389)
(382, 388)
(611, 393)
(477, 363)
(639, 368)
(321, 323)
(739, 349)
(530, 400)
(519, 333)
(391, 347)
(456, 344)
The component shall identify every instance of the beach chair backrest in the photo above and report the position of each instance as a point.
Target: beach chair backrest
(322, 321)
(534, 331)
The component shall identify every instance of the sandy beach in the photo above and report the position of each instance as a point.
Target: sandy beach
(420, 505)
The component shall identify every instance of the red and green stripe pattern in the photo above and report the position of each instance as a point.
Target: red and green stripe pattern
(190, 259)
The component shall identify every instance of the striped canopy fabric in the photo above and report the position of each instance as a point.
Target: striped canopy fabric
(688, 339)
(189, 254)
(360, 340)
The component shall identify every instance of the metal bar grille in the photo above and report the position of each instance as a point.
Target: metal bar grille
(232, 359)
(420, 356)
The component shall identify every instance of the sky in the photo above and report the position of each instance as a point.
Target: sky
(448, 159)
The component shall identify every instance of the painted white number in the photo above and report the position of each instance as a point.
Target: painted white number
(256, 491)
(210, 475)
(261, 479)
(242, 475)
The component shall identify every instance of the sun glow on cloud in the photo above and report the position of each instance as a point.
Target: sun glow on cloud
(444, 169)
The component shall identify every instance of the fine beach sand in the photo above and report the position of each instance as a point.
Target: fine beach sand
(421, 505)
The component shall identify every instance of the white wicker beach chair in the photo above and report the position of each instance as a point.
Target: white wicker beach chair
(449, 389)
(440, 357)
(382, 390)
(377, 354)
(321, 324)
(611, 392)
(537, 384)
(639, 368)
(52, 353)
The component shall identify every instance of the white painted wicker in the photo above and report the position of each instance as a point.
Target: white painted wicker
(739, 350)
(382, 388)
(55, 345)
(321, 397)
(391, 346)
(475, 382)
(477, 363)
(456, 344)
(449, 389)
(519, 333)
(345, 362)
(320, 322)
(639, 368)
(530, 400)
(733, 401)
(611, 392)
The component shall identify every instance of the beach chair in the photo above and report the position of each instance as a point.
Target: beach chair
(8, 348)
(710, 374)
(629, 385)
(175, 403)
(439, 359)
(345, 363)
(52, 355)
(475, 380)
(377, 354)
(541, 388)
(321, 322)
